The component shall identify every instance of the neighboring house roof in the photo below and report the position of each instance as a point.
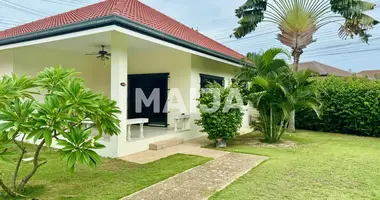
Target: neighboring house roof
(370, 74)
(322, 69)
(131, 14)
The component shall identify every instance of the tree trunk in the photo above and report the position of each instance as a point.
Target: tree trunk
(8, 190)
(296, 57)
(23, 151)
(36, 165)
(292, 124)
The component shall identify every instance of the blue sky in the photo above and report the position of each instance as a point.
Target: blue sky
(215, 18)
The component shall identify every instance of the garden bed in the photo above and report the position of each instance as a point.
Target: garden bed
(256, 140)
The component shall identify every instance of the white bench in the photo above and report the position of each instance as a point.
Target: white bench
(184, 119)
(136, 121)
(88, 123)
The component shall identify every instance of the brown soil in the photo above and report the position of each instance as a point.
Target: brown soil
(257, 141)
(281, 144)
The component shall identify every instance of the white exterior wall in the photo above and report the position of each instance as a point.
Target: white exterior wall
(31, 60)
(6, 62)
(200, 65)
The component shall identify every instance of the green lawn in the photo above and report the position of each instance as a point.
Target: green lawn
(322, 166)
(112, 180)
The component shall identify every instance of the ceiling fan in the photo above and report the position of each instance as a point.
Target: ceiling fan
(102, 54)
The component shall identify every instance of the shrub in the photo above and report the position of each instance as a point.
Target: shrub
(219, 125)
(350, 105)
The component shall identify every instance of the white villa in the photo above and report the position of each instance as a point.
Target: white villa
(147, 50)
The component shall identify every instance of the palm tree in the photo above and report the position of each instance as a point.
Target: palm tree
(299, 20)
(300, 92)
(276, 91)
(259, 66)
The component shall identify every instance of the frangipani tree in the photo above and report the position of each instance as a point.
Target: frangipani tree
(66, 104)
(299, 20)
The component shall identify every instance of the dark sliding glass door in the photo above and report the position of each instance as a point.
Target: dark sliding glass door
(148, 83)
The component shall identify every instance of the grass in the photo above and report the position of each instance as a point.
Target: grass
(322, 166)
(113, 179)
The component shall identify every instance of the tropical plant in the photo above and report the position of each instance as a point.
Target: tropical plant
(299, 20)
(221, 117)
(259, 66)
(15, 86)
(59, 116)
(301, 93)
(275, 91)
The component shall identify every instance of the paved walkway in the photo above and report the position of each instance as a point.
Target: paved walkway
(192, 147)
(201, 182)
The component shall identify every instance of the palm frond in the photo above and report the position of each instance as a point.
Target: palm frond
(357, 23)
(269, 55)
(298, 20)
(251, 13)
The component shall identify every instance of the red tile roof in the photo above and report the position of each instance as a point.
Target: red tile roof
(322, 69)
(130, 9)
(370, 74)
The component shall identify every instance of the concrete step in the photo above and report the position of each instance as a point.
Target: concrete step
(165, 143)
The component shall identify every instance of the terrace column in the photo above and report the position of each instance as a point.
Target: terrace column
(119, 80)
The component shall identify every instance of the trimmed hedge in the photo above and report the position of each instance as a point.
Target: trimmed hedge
(350, 105)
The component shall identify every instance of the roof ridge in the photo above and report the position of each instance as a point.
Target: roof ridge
(119, 7)
(317, 64)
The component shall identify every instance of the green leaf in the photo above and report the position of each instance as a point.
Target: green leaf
(98, 146)
(5, 126)
(86, 159)
(71, 162)
(48, 136)
(94, 157)
(12, 134)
